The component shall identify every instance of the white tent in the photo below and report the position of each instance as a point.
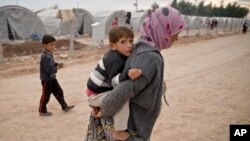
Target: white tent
(195, 22)
(224, 24)
(220, 22)
(84, 19)
(237, 24)
(187, 20)
(50, 21)
(59, 22)
(137, 20)
(206, 22)
(105, 18)
(19, 23)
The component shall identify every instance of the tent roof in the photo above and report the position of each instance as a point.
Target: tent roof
(17, 7)
(22, 21)
(65, 15)
(80, 10)
(105, 18)
(83, 20)
(48, 13)
(107, 14)
(104, 13)
(138, 14)
(137, 19)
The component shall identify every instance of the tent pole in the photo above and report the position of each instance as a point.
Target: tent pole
(1, 52)
(71, 46)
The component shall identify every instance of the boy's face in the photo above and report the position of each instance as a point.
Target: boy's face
(50, 46)
(123, 46)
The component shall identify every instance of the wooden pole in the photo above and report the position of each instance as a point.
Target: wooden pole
(71, 46)
(1, 52)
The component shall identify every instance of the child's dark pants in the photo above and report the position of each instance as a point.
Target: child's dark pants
(51, 86)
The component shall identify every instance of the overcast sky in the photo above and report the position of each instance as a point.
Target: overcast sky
(95, 6)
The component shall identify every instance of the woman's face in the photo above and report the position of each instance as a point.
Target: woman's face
(174, 38)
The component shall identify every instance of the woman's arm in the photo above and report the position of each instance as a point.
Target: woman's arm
(116, 98)
(125, 90)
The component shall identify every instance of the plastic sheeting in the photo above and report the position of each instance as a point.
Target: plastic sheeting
(105, 18)
(194, 22)
(137, 20)
(19, 23)
(84, 19)
(59, 22)
(52, 22)
(52, 25)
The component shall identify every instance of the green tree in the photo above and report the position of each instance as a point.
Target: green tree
(200, 9)
(221, 10)
(208, 10)
(231, 10)
(215, 11)
(186, 8)
(228, 10)
(174, 4)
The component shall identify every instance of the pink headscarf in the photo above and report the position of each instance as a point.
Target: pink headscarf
(160, 25)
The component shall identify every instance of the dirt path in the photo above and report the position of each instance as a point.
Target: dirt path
(208, 89)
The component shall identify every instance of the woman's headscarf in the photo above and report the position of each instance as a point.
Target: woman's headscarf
(160, 25)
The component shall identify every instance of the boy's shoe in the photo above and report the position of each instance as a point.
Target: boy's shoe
(45, 114)
(68, 108)
(164, 89)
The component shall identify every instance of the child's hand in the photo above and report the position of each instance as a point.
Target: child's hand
(134, 73)
(95, 109)
(96, 113)
(60, 65)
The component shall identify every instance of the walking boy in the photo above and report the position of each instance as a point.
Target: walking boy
(109, 72)
(48, 70)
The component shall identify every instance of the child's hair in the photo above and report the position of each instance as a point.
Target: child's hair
(117, 32)
(48, 39)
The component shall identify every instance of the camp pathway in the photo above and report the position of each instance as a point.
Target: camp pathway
(208, 89)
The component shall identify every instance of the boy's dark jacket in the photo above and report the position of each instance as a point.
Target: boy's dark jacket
(48, 67)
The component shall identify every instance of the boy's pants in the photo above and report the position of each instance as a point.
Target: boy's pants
(51, 86)
(120, 118)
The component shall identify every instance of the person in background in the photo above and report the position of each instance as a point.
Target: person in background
(48, 70)
(245, 26)
(114, 22)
